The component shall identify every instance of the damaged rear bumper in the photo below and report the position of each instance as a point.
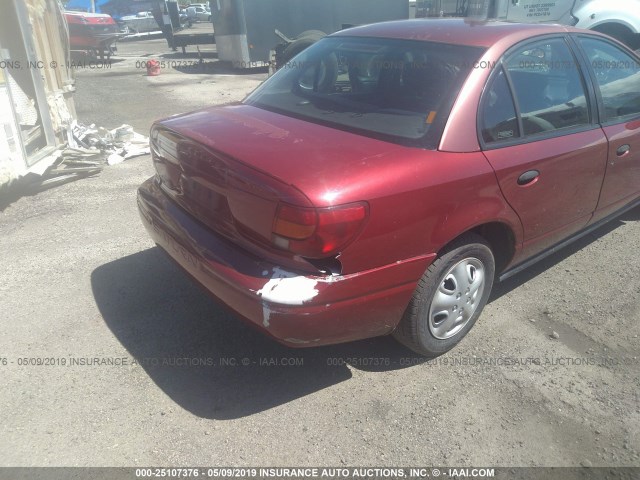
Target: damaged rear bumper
(296, 309)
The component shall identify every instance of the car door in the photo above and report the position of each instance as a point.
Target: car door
(539, 134)
(616, 74)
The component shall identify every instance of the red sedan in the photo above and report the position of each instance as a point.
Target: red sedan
(383, 179)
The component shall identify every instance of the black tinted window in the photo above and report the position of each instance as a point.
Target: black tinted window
(397, 90)
(617, 75)
(499, 120)
(548, 87)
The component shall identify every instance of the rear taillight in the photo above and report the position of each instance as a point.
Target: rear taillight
(317, 232)
(295, 223)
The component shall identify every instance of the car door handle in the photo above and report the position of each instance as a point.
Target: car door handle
(527, 177)
(623, 150)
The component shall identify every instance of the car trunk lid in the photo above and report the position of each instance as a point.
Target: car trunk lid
(232, 166)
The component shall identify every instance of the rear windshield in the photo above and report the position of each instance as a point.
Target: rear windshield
(397, 90)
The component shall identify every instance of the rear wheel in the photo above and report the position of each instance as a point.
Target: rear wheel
(449, 297)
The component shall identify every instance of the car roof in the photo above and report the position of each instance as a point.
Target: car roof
(457, 31)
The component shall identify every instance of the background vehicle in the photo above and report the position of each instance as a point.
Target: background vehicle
(382, 180)
(180, 29)
(198, 13)
(252, 33)
(617, 18)
(138, 23)
(93, 32)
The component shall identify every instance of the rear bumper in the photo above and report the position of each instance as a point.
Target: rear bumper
(296, 309)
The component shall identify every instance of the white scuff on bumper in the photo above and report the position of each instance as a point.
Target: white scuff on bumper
(286, 288)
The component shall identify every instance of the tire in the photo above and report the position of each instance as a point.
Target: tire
(428, 326)
(302, 41)
(620, 32)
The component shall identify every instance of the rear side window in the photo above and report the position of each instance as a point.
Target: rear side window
(499, 121)
(618, 77)
(397, 90)
(548, 87)
(538, 89)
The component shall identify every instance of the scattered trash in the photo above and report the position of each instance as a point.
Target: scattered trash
(114, 159)
(88, 150)
(122, 141)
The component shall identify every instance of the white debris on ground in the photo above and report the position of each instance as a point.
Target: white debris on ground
(87, 150)
(116, 145)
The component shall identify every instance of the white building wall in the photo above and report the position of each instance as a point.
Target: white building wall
(39, 38)
(12, 163)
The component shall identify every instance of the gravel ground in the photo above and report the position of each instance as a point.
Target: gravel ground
(550, 375)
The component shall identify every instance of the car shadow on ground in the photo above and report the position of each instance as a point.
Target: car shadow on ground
(207, 360)
(214, 365)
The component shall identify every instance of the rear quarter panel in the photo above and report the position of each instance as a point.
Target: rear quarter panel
(420, 203)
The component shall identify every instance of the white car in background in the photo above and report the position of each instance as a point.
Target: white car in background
(198, 13)
(203, 5)
(138, 23)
